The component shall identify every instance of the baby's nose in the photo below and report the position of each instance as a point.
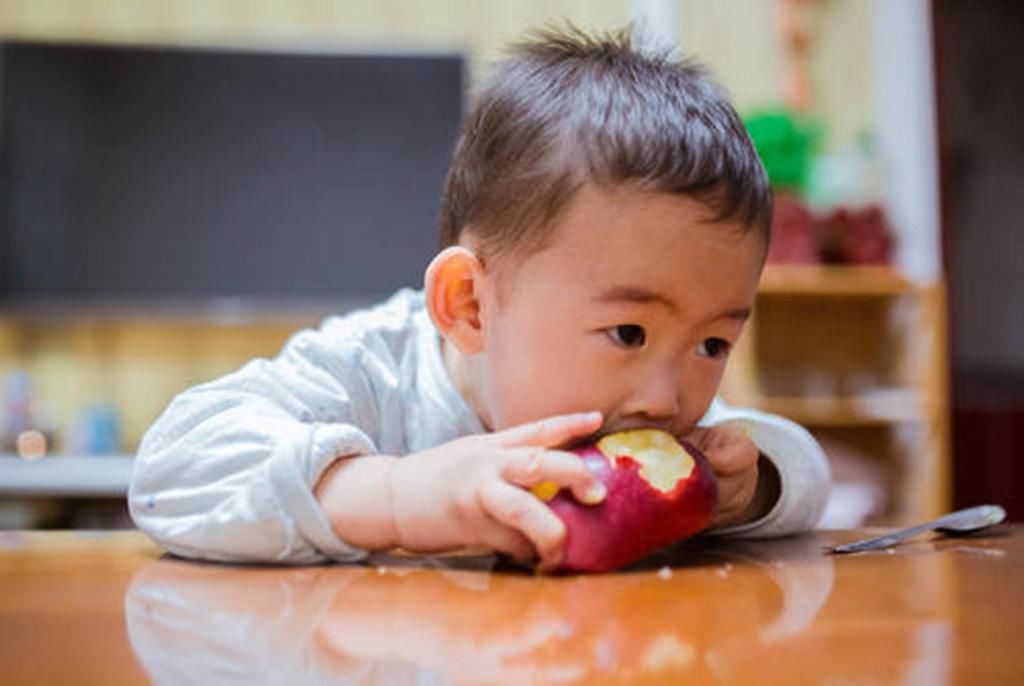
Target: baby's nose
(658, 397)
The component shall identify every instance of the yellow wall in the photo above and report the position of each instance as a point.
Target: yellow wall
(478, 27)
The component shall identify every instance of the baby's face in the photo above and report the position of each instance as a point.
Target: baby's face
(632, 309)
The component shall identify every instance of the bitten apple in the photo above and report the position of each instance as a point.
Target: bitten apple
(659, 492)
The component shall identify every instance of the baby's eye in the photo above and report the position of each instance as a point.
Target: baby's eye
(713, 348)
(628, 335)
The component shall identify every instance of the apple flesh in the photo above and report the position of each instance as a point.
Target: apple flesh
(659, 491)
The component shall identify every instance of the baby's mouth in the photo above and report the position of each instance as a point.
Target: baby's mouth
(619, 427)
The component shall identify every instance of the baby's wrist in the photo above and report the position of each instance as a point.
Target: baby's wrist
(355, 495)
(394, 531)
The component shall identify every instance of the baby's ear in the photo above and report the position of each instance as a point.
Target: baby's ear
(452, 291)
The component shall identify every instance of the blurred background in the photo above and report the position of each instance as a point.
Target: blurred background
(185, 184)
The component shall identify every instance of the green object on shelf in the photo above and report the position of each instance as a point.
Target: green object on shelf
(786, 143)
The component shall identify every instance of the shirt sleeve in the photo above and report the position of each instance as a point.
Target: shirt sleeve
(802, 466)
(227, 472)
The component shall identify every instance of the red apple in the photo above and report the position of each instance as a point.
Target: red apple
(659, 492)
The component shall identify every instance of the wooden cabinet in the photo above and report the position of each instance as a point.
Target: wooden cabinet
(858, 356)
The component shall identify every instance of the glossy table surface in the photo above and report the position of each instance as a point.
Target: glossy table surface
(107, 608)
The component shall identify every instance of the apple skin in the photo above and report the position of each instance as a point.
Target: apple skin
(635, 518)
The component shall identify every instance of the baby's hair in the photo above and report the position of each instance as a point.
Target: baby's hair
(567, 108)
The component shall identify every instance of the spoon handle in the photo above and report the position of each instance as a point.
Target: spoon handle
(886, 540)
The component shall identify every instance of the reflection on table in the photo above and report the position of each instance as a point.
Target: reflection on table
(403, 620)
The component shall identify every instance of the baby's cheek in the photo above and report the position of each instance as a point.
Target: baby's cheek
(545, 376)
(528, 399)
(518, 399)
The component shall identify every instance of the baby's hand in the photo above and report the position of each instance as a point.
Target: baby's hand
(473, 491)
(734, 458)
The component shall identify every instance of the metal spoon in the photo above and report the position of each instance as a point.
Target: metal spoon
(953, 524)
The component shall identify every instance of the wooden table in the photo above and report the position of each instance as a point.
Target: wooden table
(106, 608)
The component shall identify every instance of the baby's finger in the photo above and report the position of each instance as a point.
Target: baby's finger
(520, 510)
(551, 431)
(528, 467)
(502, 539)
(730, 451)
(734, 496)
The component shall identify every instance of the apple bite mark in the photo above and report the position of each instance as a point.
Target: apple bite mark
(663, 461)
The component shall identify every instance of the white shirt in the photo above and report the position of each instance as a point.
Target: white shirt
(227, 472)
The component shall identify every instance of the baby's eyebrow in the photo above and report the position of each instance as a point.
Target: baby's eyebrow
(636, 294)
(642, 295)
(740, 314)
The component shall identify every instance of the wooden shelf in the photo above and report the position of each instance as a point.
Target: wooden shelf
(822, 280)
(892, 406)
(858, 356)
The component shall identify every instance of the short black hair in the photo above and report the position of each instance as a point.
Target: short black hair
(566, 108)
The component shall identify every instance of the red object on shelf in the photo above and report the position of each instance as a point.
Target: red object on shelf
(855, 236)
(794, 236)
(858, 236)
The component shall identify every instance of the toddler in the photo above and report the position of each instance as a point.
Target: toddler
(604, 226)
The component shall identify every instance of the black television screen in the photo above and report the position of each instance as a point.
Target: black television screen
(152, 172)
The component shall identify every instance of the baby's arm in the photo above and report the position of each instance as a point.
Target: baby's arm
(791, 476)
(226, 472)
(469, 492)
